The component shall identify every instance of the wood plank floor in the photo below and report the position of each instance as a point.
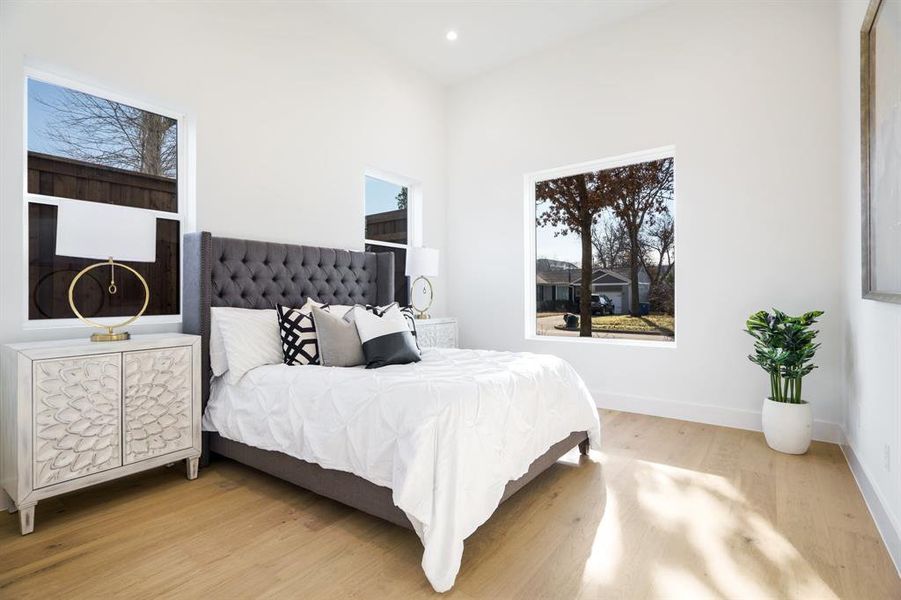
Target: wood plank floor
(669, 509)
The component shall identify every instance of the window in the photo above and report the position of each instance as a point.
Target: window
(388, 203)
(86, 146)
(611, 225)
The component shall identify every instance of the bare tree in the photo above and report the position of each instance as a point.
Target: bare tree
(104, 132)
(638, 196)
(610, 241)
(659, 246)
(659, 259)
(573, 205)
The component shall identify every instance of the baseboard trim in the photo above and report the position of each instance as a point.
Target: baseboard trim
(888, 529)
(823, 431)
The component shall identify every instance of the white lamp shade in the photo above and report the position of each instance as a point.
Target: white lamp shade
(103, 231)
(422, 261)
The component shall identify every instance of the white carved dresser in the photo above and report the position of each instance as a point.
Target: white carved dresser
(75, 413)
(438, 332)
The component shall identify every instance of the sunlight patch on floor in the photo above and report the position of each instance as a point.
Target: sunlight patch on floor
(706, 540)
(607, 549)
(673, 581)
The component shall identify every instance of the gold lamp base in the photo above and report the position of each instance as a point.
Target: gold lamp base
(110, 335)
(427, 289)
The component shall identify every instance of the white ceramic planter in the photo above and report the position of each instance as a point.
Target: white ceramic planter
(787, 426)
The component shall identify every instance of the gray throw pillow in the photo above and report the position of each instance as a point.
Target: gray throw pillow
(339, 342)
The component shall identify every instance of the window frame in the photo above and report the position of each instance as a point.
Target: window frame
(414, 210)
(186, 215)
(530, 250)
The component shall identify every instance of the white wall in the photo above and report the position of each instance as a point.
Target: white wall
(746, 93)
(872, 348)
(290, 108)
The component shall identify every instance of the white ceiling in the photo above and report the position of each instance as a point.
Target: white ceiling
(491, 33)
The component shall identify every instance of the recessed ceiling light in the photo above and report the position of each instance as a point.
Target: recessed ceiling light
(451, 36)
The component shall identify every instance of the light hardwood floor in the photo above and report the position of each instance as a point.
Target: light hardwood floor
(669, 509)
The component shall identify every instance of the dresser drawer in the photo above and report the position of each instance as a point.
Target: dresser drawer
(77, 415)
(158, 402)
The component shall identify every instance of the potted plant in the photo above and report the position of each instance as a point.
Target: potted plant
(784, 347)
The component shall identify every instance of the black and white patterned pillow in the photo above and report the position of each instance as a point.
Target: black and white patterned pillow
(298, 332)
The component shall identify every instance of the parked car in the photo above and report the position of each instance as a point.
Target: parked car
(601, 305)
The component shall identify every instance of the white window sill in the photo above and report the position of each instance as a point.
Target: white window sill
(600, 341)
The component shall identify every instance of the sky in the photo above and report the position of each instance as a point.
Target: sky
(40, 118)
(380, 195)
(38, 115)
(563, 247)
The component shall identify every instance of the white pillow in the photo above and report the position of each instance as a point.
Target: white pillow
(218, 358)
(251, 340)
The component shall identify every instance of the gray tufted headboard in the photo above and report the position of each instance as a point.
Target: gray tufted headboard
(252, 274)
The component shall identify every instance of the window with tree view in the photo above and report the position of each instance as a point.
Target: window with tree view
(605, 250)
(387, 227)
(91, 149)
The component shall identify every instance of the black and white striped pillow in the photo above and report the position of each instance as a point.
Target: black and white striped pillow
(386, 337)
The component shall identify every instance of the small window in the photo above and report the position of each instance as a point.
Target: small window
(88, 148)
(386, 211)
(388, 226)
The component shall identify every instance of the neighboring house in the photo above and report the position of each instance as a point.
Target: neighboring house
(553, 279)
(615, 284)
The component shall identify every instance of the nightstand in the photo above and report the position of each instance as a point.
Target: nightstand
(76, 413)
(440, 332)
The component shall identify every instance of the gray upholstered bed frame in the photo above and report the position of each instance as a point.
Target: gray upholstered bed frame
(252, 274)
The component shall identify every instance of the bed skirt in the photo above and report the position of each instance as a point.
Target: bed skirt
(355, 491)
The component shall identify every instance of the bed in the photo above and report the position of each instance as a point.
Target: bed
(433, 446)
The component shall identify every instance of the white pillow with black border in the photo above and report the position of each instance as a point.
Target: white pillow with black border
(386, 337)
(406, 311)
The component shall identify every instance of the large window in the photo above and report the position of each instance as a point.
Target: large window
(603, 249)
(87, 146)
(388, 203)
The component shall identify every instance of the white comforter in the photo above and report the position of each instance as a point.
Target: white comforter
(445, 434)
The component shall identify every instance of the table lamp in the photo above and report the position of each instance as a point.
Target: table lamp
(422, 263)
(108, 233)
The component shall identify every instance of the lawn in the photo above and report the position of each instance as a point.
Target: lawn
(653, 323)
